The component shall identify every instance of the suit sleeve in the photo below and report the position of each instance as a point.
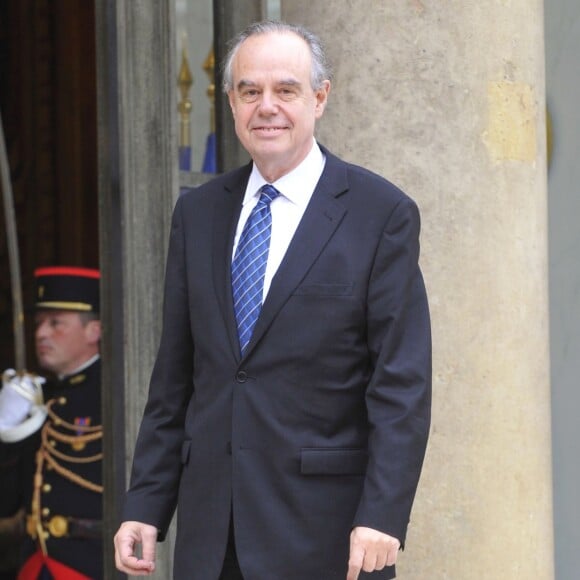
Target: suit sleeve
(152, 495)
(398, 396)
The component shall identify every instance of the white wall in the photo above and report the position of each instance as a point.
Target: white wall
(563, 88)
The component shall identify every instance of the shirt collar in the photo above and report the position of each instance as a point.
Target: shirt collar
(84, 366)
(297, 185)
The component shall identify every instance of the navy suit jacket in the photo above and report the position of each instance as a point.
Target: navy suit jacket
(322, 424)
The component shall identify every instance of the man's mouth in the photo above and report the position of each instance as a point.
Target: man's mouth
(267, 129)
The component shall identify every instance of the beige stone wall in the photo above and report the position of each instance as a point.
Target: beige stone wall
(446, 99)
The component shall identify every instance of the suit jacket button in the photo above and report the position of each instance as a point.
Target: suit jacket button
(241, 376)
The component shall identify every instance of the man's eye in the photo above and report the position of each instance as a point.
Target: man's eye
(249, 94)
(287, 93)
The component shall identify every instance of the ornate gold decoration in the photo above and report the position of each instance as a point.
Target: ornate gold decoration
(58, 526)
(209, 68)
(185, 106)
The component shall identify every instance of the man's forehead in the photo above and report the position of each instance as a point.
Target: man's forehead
(272, 47)
(271, 69)
(43, 314)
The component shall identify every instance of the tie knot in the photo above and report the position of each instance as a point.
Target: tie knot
(268, 193)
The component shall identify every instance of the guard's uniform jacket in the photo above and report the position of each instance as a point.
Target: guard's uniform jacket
(65, 518)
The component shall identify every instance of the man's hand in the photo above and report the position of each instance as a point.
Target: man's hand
(22, 410)
(13, 526)
(127, 538)
(370, 550)
(19, 393)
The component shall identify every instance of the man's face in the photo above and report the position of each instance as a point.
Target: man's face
(274, 106)
(63, 341)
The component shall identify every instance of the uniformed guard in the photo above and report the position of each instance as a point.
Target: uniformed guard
(65, 509)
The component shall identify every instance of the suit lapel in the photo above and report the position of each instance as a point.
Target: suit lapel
(321, 219)
(226, 214)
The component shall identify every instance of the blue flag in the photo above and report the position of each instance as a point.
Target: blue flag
(184, 158)
(210, 158)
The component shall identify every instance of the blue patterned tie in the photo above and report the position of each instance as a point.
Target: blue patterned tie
(249, 265)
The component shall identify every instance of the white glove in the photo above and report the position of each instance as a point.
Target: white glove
(21, 405)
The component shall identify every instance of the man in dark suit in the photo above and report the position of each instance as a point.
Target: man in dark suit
(289, 405)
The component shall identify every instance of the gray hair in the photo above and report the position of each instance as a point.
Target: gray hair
(320, 71)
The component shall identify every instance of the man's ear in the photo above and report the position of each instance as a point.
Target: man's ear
(321, 96)
(93, 330)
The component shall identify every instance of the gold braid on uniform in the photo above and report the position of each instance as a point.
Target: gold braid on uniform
(50, 454)
(44, 454)
(71, 476)
(47, 454)
(70, 426)
(34, 525)
(46, 445)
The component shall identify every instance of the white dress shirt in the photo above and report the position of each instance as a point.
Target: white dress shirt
(296, 189)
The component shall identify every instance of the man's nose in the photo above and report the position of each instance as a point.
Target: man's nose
(268, 103)
(42, 329)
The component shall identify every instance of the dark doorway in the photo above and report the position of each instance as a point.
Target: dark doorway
(48, 106)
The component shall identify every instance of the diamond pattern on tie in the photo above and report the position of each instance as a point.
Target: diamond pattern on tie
(249, 265)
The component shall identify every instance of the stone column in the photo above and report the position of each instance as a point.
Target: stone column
(446, 99)
(138, 184)
(230, 17)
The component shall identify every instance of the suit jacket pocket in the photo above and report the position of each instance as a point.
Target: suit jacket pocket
(333, 461)
(185, 448)
(324, 290)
